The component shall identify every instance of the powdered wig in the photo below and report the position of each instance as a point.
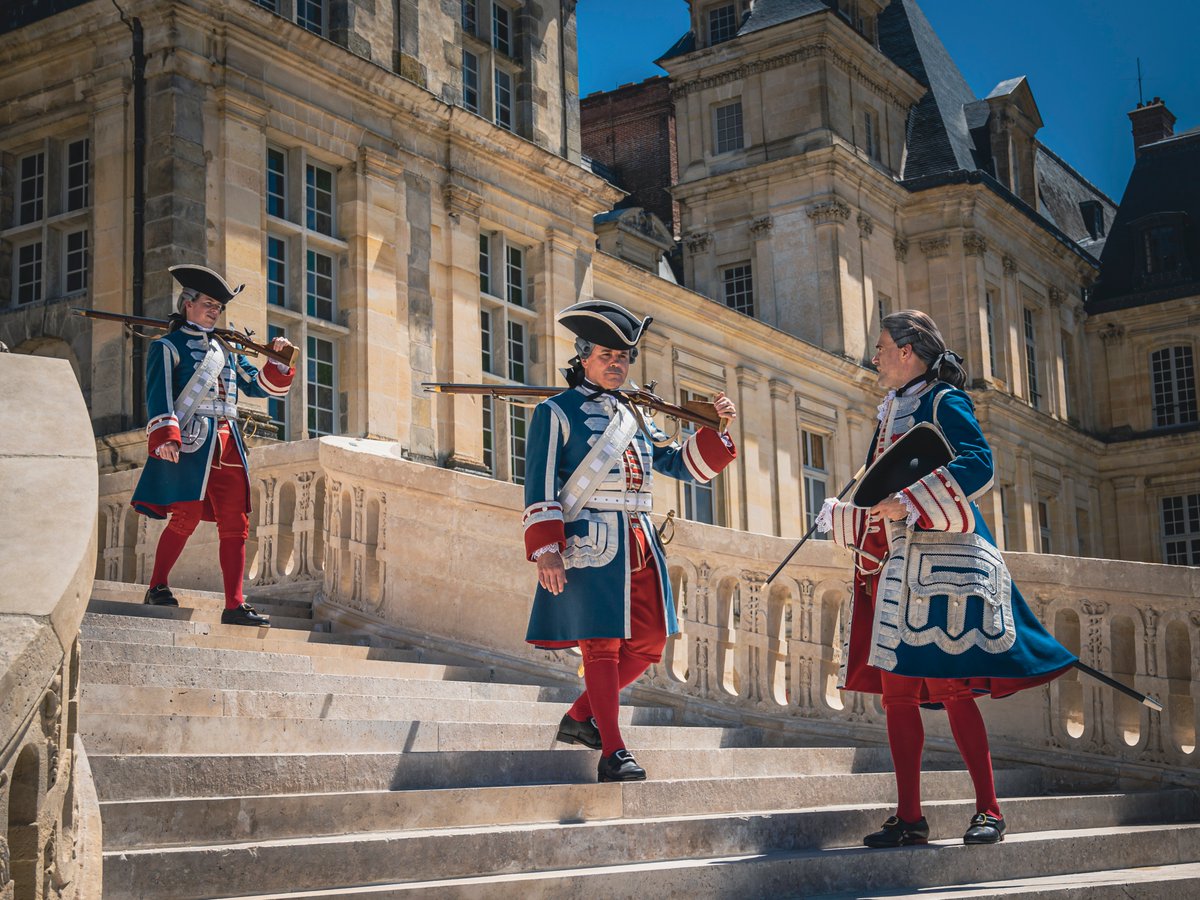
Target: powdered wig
(913, 328)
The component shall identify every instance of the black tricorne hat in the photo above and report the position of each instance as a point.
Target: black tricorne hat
(205, 281)
(914, 455)
(605, 324)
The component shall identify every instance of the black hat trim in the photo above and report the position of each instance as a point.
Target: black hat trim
(205, 281)
(916, 453)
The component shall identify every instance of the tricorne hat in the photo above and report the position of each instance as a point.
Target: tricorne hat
(910, 458)
(605, 324)
(205, 281)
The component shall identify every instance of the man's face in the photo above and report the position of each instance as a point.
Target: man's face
(894, 364)
(204, 310)
(607, 367)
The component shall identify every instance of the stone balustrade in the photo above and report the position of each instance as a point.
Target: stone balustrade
(51, 845)
(413, 550)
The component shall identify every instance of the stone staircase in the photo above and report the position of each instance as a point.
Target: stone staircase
(294, 762)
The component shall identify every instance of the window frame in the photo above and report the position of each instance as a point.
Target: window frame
(1179, 411)
(730, 291)
(1189, 512)
(811, 474)
(691, 493)
(720, 147)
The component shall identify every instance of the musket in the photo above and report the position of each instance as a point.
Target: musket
(699, 412)
(230, 337)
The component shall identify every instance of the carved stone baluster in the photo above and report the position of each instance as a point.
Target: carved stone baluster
(1100, 710)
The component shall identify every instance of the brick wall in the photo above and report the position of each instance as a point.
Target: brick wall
(631, 130)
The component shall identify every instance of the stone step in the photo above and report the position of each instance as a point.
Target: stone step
(202, 734)
(1145, 883)
(299, 604)
(1175, 882)
(204, 634)
(144, 777)
(149, 700)
(419, 685)
(142, 616)
(776, 853)
(138, 824)
(261, 651)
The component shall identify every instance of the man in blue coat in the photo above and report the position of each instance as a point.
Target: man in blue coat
(935, 619)
(602, 574)
(196, 468)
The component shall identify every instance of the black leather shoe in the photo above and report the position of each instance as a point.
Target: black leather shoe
(244, 615)
(160, 595)
(621, 766)
(898, 833)
(572, 731)
(985, 829)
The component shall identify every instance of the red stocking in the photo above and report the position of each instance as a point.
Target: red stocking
(906, 737)
(603, 686)
(233, 567)
(966, 724)
(171, 543)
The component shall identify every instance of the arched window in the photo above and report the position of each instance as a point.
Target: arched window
(1173, 376)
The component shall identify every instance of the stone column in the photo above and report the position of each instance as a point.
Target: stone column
(785, 499)
(754, 479)
(459, 350)
(1131, 518)
(828, 218)
(1024, 510)
(766, 304)
(975, 319)
(565, 279)
(700, 264)
(383, 385)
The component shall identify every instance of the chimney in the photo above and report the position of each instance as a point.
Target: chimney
(1151, 122)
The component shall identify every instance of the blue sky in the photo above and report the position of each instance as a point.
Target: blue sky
(1079, 56)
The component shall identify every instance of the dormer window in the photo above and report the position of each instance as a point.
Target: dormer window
(722, 23)
(1093, 217)
(1160, 248)
(859, 15)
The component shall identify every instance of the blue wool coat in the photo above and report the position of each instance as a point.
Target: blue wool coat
(594, 543)
(170, 363)
(936, 600)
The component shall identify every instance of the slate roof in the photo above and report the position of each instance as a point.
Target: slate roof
(16, 14)
(1061, 193)
(1163, 180)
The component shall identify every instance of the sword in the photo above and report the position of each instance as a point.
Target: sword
(813, 526)
(1144, 699)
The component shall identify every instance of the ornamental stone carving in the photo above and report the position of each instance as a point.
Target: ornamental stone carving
(935, 247)
(1112, 333)
(698, 241)
(974, 244)
(1010, 264)
(865, 225)
(461, 201)
(900, 245)
(761, 227)
(1056, 297)
(834, 210)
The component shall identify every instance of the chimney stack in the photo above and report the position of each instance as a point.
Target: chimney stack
(1151, 122)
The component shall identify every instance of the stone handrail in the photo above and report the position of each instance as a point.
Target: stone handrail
(418, 551)
(48, 540)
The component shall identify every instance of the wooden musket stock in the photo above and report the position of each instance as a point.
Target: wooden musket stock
(227, 335)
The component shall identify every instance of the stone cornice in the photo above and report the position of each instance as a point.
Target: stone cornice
(820, 48)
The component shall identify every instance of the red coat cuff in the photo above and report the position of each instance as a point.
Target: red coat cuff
(706, 453)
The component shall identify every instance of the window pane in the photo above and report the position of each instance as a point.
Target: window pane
(515, 276)
(277, 184)
(728, 128)
(722, 24)
(1181, 530)
(76, 262)
(1173, 376)
(485, 263)
(739, 288)
(489, 434)
(320, 285)
(310, 15)
(517, 427)
(486, 340)
(990, 300)
(470, 63)
(1031, 366)
(276, 271)
(516, 352)
(32, 189)
(321, 387)
(470, 17)
(78, 187)
(29, 273)
(277, 406)
(503, 99)
(318, 199)
(502, 29)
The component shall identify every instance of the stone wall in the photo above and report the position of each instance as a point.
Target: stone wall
(436, 556)
(48, 806)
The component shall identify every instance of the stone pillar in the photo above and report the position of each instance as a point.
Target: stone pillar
(459, 350)
(785, 500)
(828, 218)
(112, 375)
(755, 477)
(381, 382)
(766, 304)
(1025, 522)
(974, 327)
(699, 264)
(566, 279)
(1129, 519)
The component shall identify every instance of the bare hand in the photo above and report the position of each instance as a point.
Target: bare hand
(725, 407)
(552, 574)
(891, 509)
(169, 452)
(280, 344)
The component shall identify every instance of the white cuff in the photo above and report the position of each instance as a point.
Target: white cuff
(914, 514)
(540, 550)
(825, 516)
